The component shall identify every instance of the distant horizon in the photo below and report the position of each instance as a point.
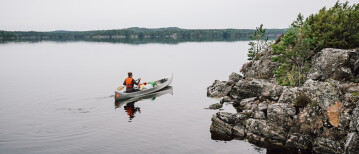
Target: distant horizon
(136, 27)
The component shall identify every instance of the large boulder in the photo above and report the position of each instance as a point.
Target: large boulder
(308, 121)
(263, 106)
(264, 129)
(222, 88)
(356, 66)
(234, 77)
(289, 95)
(239, 131)
(299, 141)
(325, 145)
(255, 87)
(219, 89)
(248, 103)
(277, 133)
(229, 99)
(262, 67)
(323, 94)
(352, 142)
(226, 126)
(316, 93)
(220, 128)
(309, 107)
(215, 106)
(281, 114)
(258, 127)
(355, 120)
(337, 64)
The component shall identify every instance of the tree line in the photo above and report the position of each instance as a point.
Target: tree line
(139, 35)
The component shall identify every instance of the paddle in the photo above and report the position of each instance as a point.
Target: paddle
(120, 88)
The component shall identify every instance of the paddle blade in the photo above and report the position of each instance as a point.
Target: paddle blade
(120, 88)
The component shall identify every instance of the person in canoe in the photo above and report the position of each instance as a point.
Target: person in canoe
(130, 82)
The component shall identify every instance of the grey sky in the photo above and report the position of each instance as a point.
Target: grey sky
(47, 15)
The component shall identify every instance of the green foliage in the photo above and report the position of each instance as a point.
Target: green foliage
(355, 94)
(337, 27)
(260, 41)
(293, 52)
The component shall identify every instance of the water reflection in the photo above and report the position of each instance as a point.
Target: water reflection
(133, 41)
(129, 104)
(131, 110)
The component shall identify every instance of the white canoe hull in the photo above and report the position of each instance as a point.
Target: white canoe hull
(163, 83)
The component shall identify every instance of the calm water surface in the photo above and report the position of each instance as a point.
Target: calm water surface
(58, 97)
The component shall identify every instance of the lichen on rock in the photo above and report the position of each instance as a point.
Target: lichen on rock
(320, 116)
(337, 64)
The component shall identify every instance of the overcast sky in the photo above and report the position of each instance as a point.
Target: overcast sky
(48, 15)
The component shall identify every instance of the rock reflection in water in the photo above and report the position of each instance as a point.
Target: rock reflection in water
(129, 104)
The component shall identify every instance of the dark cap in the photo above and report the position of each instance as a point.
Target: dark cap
(129, 73)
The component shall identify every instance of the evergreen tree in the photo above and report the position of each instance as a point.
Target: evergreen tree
(260, 41)
(336, 27)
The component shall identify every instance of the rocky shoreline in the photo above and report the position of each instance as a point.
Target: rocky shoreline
(321, 116)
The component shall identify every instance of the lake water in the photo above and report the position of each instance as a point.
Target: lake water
(58, 97)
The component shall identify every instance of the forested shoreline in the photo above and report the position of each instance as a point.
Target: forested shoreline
(135, 35)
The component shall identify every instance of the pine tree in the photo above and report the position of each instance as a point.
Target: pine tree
(260, 41)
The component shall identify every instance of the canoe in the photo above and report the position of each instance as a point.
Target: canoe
(162, 83)
(166, 90)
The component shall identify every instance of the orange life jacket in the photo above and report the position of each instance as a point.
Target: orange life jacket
(129, 82)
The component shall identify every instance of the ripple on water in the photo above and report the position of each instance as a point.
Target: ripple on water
(54, 120)
(52, 108)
